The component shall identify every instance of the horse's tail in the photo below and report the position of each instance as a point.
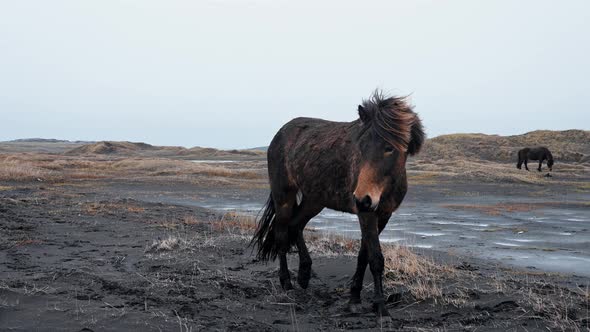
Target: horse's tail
(521, 157)
(264, 238)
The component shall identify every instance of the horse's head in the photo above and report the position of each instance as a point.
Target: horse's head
(550, 164)
(390, 132)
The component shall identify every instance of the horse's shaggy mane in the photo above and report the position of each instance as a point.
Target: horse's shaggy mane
(394, 120)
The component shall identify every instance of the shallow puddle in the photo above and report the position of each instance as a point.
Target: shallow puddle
(548, 239)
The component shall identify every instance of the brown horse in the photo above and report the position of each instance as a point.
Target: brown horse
(539, 153)
(357, 167)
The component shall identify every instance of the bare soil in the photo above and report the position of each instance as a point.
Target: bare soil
(83, 256)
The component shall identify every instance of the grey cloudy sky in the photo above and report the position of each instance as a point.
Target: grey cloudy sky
(229, 73)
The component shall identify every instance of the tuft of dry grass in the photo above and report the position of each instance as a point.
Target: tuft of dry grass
(556, 305)
(190, 220)
(235, 224)
(328, 244)
(420, 275)
(167, 244)
(96, 208)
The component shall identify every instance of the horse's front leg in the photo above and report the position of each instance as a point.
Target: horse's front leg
(357, 280)
(526, 164)
(540, 165)
(361, 265)
(370, 235)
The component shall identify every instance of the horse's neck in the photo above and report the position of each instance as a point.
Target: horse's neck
(549, 155)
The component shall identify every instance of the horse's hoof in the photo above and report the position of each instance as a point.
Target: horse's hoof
(355, 300)
(389, 324)
(286, 284)
(355, 306)
(303, 277)
(380, 310)
(304, 283)
(384, 321)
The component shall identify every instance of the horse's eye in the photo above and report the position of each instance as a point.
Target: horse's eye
(389, 150)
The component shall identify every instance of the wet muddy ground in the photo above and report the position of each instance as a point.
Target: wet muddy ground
(529, 226)
(107, 255)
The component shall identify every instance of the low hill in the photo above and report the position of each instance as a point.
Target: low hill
(38, 145)
(39, 140)
(142, 149)
(108, 147)
(260, 148)
(567, 145)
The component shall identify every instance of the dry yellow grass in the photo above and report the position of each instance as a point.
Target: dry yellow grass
(235, 224)
(420, 275)
(16, 169)
(55, 168)
(331, 244)
(427, 171)
(190, 220)
(96, 208)
(423, 177)
(167, 244)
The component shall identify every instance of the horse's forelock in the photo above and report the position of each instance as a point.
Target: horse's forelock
(393, 119)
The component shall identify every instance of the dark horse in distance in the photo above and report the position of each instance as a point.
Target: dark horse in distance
(540, 153)
(357, 167)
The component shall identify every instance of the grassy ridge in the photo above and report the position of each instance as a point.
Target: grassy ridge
(567, 145)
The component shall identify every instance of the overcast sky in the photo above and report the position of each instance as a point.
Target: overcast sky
(229, 73)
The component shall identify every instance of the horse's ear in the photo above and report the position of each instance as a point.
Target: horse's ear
(417, 137)
(364, 114)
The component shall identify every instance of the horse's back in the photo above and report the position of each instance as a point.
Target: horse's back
(534, 153)
(309, 153)
(539, 149)
(303, 129)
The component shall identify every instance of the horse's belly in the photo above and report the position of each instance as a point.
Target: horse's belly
(325, 196)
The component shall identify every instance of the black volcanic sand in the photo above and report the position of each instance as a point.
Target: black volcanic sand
(85, 258)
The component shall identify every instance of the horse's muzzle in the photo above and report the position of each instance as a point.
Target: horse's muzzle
(365, 204)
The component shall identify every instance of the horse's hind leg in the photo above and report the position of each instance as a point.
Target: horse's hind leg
(519, 164)
(305, 212)
(284, 211)
(304, 273)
